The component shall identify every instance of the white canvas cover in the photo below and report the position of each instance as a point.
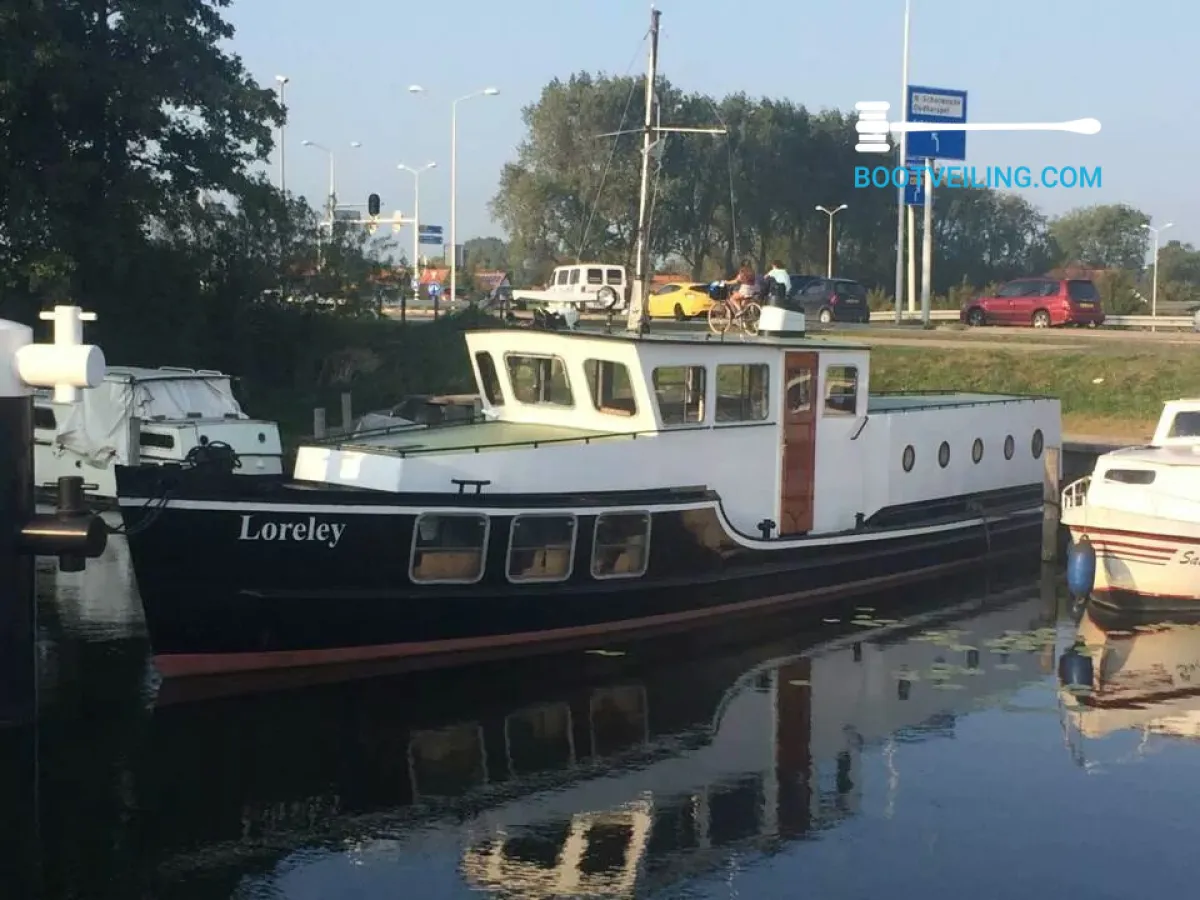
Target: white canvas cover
(97, 428)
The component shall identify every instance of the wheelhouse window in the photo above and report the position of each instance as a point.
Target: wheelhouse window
(541, 548)
(562, 276)
(742, 393)
(1185, 424)
(1130, 476)
(610, 386)
(841, 391)
(448, 548)
(574, 276)
(489, 378)
(539, 380)
(679, 391)
(621, 547)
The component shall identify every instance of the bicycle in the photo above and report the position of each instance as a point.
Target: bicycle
(724, 313)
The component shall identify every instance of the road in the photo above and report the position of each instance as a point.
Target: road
(1077, 340)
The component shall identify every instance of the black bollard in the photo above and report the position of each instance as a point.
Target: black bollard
(72, 533)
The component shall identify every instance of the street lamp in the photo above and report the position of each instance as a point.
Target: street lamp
(486, 92)
(354, 145)
(283, 80)
(416, 174)
(831, 213)
(1154, 288)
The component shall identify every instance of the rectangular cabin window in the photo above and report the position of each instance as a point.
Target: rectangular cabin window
(742, 393)
(489, 378)
(616, 277)
(621, 547)
(1130, 476)
(44, 418)
(610, 386)
(562, 276)
(448, 548)
(595, 276)
(160, 441)
(541, 548)
(841, 391)
(539, 380)
(679, 391)
(574, 276)
(1185, 424)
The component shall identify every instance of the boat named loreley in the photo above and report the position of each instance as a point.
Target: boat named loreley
(615, 484)
(1136, 519)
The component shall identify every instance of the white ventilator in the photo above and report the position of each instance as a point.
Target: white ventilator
(65, 365)
(873, 127)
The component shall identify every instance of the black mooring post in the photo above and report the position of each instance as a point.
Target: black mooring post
(18, 636)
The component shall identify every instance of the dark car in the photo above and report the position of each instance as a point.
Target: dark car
(829, 299)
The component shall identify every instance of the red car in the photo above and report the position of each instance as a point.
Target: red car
(1040, 302)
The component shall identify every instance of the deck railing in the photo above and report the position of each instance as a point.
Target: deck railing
(1074, 495)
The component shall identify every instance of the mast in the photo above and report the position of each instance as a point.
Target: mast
(637, 316)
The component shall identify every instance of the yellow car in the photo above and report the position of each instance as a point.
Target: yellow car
(679, 300)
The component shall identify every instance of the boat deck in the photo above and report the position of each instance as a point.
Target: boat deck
(474, 436)
(918, 400)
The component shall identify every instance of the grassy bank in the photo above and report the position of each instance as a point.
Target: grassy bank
(1114, 393)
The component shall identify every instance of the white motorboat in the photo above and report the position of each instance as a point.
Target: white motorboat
(141, 415)
(1138, 516)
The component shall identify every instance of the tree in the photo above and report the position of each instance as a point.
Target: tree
(1107, 235)
(486, 253)
(118, 113)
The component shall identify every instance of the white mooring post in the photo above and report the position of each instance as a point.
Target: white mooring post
(71, 533)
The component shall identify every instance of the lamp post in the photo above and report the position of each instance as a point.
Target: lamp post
(283, 80)
(1154, 285)
(831, 213)
(485, 92)
(416, 174)
(903, 161)
(354, 145)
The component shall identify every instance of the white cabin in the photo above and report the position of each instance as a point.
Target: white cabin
(150, 416)
(1136, 487)
(784, 430)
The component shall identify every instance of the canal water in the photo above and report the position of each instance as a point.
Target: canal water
(915, 745)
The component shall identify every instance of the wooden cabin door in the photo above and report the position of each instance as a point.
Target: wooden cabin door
(799, 450)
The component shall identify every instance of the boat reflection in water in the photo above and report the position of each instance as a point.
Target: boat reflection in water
(619, 778)
(1126, 674)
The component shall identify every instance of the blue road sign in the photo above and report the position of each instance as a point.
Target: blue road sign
(926, 104)
(430, 238)
(914, 191)
(431, 229)
(435, 288)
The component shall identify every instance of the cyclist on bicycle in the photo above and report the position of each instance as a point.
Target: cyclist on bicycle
(747, 284)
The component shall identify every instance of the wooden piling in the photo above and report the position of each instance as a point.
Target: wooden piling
(319, 422)
(1051, 502)
(347, 413)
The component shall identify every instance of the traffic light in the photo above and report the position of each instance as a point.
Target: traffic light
(373, 205)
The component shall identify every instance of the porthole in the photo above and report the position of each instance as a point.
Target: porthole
(944, 455)
(1009, 447)
(1037, 444)
(977, 450)
(909, 459)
